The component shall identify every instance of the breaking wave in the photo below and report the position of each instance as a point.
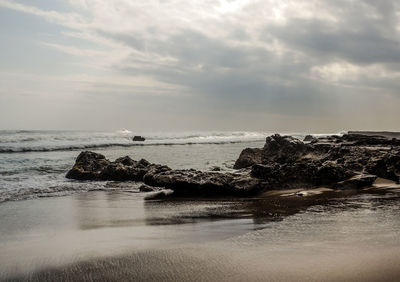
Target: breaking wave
(39, 141)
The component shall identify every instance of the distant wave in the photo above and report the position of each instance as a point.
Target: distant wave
(47, 141)
(124, 131)
(99, 146)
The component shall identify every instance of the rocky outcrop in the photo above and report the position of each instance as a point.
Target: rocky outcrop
(194, 182)
(93, 166)
(138, 138)
(387, 134)
(248, 157)
(277, 149)
(88, 166)
(309, 138)
(350, 161)
(287, 162)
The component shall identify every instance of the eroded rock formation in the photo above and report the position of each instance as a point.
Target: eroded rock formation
(351, 161)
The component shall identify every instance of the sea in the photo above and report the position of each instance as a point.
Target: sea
(33, 163)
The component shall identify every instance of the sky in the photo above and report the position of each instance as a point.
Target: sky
(314, 66)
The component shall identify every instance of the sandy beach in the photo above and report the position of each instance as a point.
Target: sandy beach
(280, 236)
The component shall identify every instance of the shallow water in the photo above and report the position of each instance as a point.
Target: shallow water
(34, 163)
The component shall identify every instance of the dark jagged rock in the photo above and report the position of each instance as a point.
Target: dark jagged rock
(282, 149)
(277, 149)
(387, 166)
(280, 176)
(248, 157)
(93, 166)
(351, 161)
(309, 138)
(194, 182)
(387, 134)
(287, 162)
(126, 161)
(215, 168)
(88, 166)
(365, 140)
(138, 138)
(330, 172)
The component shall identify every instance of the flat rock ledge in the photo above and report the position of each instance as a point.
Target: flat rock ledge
(94, 166)
(351, 161)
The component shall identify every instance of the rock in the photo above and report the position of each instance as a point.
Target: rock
(143, 163)
(88, 166)
(277, 149)
(331, 172)
(193, 182)
(387, 166)
(126, 161)
(351, 161)
(118, 172)
(387, 134)
(138, 138)
(287, 163)
(248, 157)
(283, 176)
(370, 140)
(93, 166)
(309, 138)
(282, 149)
(215, 168)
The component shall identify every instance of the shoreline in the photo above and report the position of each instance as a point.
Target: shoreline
(86, 234)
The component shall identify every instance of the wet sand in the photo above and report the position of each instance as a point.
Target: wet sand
(213, 263)
(314, 235)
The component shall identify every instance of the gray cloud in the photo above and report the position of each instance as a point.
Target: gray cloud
(315, 60)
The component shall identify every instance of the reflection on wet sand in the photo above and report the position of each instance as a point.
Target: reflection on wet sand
(125, 228)
(268, 207)
(329, 236)
(109, 209)
(124, 209)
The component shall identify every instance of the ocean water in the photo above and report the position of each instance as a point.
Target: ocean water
(34, 163)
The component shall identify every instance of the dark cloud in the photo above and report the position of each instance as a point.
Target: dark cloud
(311, 64)
(236, 76)
(360, 45)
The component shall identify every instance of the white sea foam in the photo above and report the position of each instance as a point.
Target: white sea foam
(42, 141)
(124, 131)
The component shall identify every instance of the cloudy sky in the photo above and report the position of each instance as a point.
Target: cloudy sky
(317, 66)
